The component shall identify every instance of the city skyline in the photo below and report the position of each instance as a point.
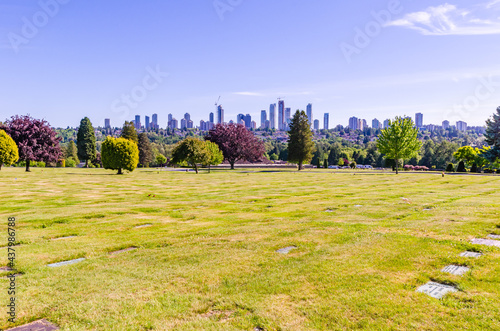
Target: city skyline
(368, 58)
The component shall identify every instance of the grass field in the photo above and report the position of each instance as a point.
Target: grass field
(209, 260)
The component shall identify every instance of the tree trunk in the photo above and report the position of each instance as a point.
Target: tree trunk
(1, 164)
(397, 166)
(28, 165)
(300, 165)
(232, 165)
(209, 168)
(196, 168)
(120, 171)
(86, 163)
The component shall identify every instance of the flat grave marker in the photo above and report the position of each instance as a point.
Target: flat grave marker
(59, 264)
(487, 242)
(436, 290)
(471, 254)
(6, 268)
(286, 250)
(40, 325)
(357, 206)
(455, 270)
(143, 226)
(494, 236)
(123, 250)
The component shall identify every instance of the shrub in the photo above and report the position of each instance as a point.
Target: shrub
(461, 167)
(353, 165)
(450, 168)
(70, 163)
(39, 164)
(473, 168)
(409, 167)
(61, 163)
(9, 152)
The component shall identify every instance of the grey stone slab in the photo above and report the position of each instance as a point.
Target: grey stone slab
(60, 264)
(40, 325)
(487, 242)
(470, 254)
(357, 206)
(6, 268)
(143, 226)
(62, 238)
(455, 270)
(286, 250)
(436, 290)
(124, 250)
(494, 236)
(329, 211)
(427, 209)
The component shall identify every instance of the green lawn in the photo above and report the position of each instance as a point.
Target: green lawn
(209, 260)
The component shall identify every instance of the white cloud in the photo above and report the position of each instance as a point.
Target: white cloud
(447, 19)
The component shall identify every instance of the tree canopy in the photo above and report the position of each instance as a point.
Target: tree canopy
(9, 152)
(145, 150)
(119, 153)
(85, 141)
(300, 144)
(128, 132)
(215, 154)
(399, 141)
(466, 154)
(35, 139)
(236, 143)
(192, 151)
(492, 136)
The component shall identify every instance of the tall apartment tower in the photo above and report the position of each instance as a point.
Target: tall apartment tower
(263, 119)
(281, 115)
(353, 123)
(272, 116)
(248, 121)
(375, 124)
(386, 124)
(107, 123)
(309, 113)
(137, 122)
(211, 118)
(446, 124)
(146, 127)
(419, 120)
(316, 125)
(187, 117)
(220, 114)
(326, 121)
(155, 121)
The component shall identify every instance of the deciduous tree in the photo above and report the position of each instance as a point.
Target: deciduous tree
(236, 143)
(300, 144)
(128, 132)
(399, 141)
(9, 153)
(216, 156)
(192, 151)
(119, 153)
(85, 141)
(145, 150)
(465, 153)
(35, 139)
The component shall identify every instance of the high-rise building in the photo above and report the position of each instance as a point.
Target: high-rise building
(137, 122)
(263, 119)
(107, 123)
(203, 126)
(281, 115)
(169, 119)
(386, 124)
(173, 124)
(146, 125)
(364, 125)
(446, 124)
(288, 119)
(375, 124)
(239, 118)
(155, 121)
(461, 126)
(248, 121)
(309, 113)
(190, 124)
(419, 120)
(353, 123)
(272, 116)
(316, 125)
(187, 117)
(211, 118)
(253, 125)
(220, 114)
(326, 121)
(183, 123)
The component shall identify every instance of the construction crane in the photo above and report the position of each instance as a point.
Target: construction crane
(217, 102)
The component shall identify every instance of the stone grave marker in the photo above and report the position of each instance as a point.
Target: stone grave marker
(436, 290)
(455, 270)
(487, 242)
(123, 250)
(59, 264)
(6, 268)
(494, 236)
(357, 206)
(470, 254)
(40, 325)
(286, 250)
(143, 226)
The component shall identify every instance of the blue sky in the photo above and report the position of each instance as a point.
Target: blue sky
(65, 59)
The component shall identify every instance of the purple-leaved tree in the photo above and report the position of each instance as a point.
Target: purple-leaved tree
(36, 140)
(236, 143)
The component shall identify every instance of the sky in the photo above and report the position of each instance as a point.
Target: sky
(62, 60)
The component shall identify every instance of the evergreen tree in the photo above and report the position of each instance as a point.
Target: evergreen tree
(128, 132)
(399, 141)
(71, 151)
(325, 164)
(85, 141)
(145, 150)
(300, 144)
(461, 167)
(492, 137)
